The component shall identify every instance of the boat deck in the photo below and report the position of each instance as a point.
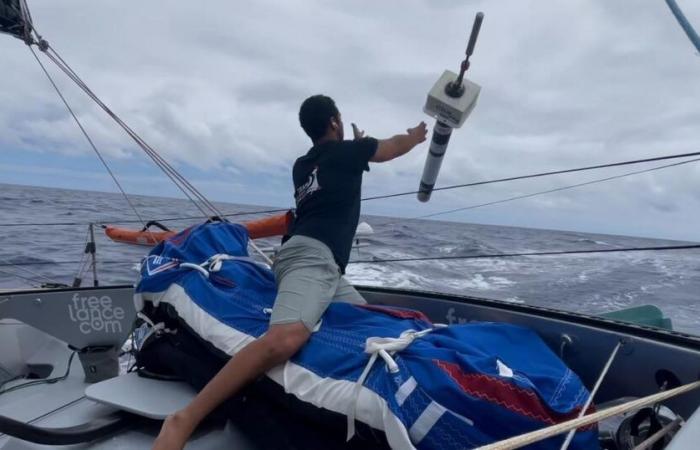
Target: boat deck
(64, 404)
(583, 341)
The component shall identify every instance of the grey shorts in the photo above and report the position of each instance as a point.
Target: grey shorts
(308, 279)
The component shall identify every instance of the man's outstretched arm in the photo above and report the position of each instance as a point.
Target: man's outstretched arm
(391, 148)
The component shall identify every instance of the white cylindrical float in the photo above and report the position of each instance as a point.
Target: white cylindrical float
(450, 112)
(436, 152)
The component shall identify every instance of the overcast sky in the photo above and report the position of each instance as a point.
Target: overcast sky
(215, 86)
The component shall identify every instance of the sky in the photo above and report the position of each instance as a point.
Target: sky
(216, 90)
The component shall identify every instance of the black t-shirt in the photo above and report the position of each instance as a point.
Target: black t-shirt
(327, 188)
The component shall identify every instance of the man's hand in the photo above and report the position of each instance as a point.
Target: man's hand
(418, 132)
(400, 144)
(174, 433)
(359, 134)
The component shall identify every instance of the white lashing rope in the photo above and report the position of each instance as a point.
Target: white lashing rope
(554, 430)
(215, 262)
(598, 382)
(260, 252)
(384, 348)
(152, 327)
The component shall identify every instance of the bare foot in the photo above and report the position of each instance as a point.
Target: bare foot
(174, 433)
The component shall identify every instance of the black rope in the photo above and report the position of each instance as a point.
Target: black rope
(31, 281)
(43, 380)
(478, 183)
(85, 133)
(180, 181)
(549, 253)
(432, 258)
(542, 174)
(559, 189)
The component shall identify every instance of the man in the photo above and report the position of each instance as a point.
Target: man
(310, 265)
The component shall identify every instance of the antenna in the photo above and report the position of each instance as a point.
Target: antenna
(455, 88)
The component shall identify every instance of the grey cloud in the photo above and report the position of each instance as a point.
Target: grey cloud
(564, 84)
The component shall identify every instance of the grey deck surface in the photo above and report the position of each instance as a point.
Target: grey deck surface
(65, 404)
(142, 396)
(139, 437)
(688, 436)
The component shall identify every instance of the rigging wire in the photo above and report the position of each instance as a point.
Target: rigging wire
(545, 253)
(185, 186)
(32, 282)
(543, 174)
(436, 258)
(35, 274)
(559, 189)
(48, 263)
(87, 136)
(170, 171)
(179, 180)
(275, 210)
(27, 18)
(82, 266)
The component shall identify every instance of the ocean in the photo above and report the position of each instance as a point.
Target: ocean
(591, 283)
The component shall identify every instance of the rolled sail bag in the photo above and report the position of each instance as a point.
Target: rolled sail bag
(390, 369)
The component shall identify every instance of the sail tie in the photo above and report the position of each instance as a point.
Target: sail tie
(383, 347)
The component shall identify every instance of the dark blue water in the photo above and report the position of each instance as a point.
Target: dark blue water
(585, 283)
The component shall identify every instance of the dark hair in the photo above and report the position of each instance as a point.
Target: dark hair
(315, 114)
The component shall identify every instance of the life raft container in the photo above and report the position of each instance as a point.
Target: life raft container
(276, 225)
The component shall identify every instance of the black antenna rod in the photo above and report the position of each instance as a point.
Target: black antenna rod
(455, 89)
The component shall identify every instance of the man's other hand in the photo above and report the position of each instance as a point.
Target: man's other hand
(359, 134)
(418, 132)
(400, 144)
